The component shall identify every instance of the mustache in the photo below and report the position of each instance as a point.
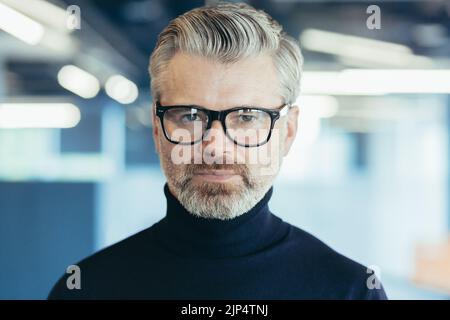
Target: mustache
(240, 169)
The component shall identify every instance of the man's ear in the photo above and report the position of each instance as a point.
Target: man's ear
(291, 130)
(155, 129)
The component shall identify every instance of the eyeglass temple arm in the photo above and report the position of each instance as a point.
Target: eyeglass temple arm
(284, 110)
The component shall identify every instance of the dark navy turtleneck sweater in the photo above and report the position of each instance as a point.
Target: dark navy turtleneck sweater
(254, 256)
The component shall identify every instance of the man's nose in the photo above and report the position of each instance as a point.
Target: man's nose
(216, 142)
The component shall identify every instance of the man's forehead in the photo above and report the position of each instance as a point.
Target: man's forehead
(198, 80)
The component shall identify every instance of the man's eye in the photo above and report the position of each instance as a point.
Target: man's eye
(190, 117)
(247, 118)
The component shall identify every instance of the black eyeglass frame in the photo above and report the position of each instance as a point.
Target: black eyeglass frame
(213, 115)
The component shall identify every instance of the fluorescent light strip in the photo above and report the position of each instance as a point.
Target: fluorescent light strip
(376, 82)
(331, 83)
(42, 11)
(121, 89)
(361, 49)
(335, 41)
(78, 81)
(39, 115)
(399, 81)
(317, 106)
(20, 26)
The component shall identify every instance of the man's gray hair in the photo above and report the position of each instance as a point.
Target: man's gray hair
(227, 33)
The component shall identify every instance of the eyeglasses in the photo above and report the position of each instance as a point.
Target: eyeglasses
(246, 126)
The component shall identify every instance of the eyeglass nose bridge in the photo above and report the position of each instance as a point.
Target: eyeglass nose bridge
(215, 115)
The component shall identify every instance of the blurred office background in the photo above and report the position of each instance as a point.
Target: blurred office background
(368, 174)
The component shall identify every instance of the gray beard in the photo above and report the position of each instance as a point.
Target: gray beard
(214, 204)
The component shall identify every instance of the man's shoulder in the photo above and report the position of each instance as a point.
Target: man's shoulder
(308, 244)
(108, 261)
(129, 247)
(331, 268)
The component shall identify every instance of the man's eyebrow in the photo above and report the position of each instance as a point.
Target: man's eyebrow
(244, 106)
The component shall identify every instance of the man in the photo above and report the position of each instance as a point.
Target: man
(224, 80)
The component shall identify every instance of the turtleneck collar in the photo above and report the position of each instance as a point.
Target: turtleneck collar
(189, 235)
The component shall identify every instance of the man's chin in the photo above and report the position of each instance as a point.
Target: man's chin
(230, 179)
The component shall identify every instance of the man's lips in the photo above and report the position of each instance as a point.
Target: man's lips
(216, 175)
